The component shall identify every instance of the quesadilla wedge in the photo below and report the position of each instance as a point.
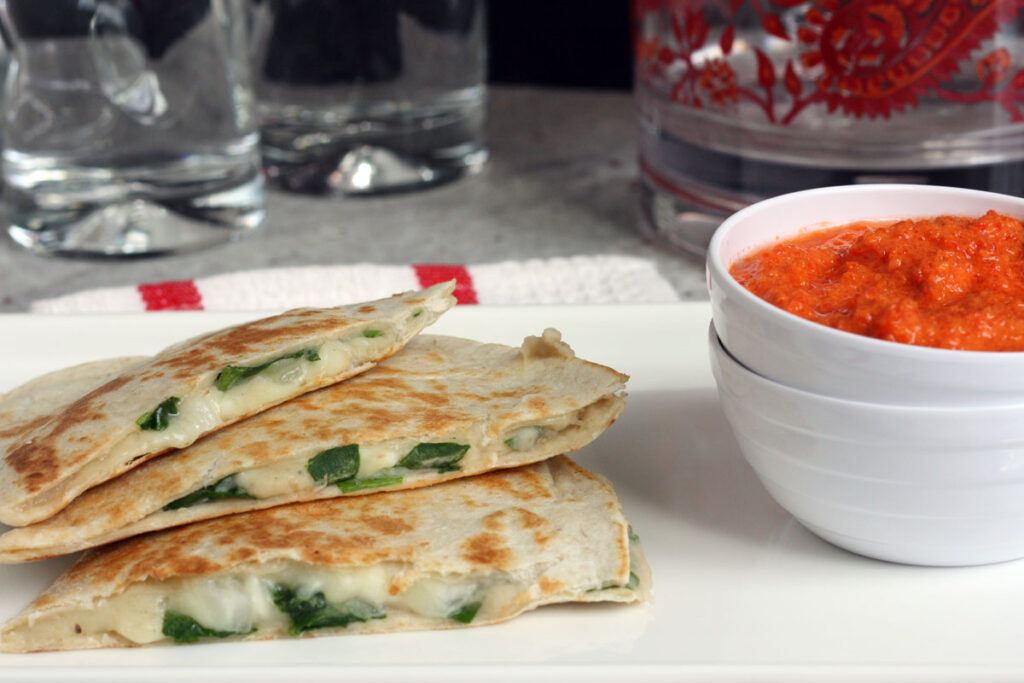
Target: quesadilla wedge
(199, 386)
(474, 551)
(28, 406)
(442, 408)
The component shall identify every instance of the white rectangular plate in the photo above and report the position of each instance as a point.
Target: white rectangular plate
(743, 592)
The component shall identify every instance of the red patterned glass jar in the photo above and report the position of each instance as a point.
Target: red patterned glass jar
(744, 99)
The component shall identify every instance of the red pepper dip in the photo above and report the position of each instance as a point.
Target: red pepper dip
(949, 281)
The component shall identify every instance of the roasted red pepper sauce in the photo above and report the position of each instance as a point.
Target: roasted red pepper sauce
(949, 281)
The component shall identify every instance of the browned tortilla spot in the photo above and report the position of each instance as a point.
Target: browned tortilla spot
(265, 333)
(487, 549)
(527, 487)
(541, 538)
(538, 403)
(494, 521)
(98, 417)
(38, 464)
(24, 428)
(429, 399)
(242, 554)
(529, 519)
(389, 526)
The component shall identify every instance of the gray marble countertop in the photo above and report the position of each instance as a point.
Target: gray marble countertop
(561, 181)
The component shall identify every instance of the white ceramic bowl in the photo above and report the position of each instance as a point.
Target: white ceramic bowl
(807, 355)
(932, 485)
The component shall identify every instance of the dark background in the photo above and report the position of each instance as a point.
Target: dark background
(582, 43)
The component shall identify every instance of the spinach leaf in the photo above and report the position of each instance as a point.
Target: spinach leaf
(363, 484)
(184, 629)
(224, 488)
(334, 464)
(233, 374)
(315, 612)
(441, 456)
(372, 333)
(465, 614)
(633, 582)
(157, 419)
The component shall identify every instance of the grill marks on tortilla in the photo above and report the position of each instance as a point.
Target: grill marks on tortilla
(531, 486)
(39, 463)
(426, 411)
(445, 538)
(495, 521)
(549, 586)
(215, 350)
(44, 468)
(17, 431)
(256, 337)
(323, 419)
(339, 532)
(488, 549)
(389, 526)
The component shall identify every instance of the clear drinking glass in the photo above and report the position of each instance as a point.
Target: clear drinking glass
(366, 96)
(129, 126)
(743, 99)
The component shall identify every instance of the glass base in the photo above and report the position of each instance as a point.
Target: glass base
(364, 155)
(136, 226)
(675, 223)
(371, 169)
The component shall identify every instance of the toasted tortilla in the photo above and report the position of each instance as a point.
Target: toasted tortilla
(510, 406)
(194, 388)
(30, 405)
(474, 551)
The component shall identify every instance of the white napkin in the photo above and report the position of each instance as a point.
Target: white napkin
(574, 280)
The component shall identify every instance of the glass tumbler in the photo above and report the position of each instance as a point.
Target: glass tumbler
(739, 100)
(369, 96)
(128, 126)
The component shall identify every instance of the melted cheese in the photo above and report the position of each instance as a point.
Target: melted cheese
(278, 381)
(227, 603)
(204, 410)
(524, 438)
(291, 476)
(279, 479)
(238, 603)
(440, 597)
(137, 614)
(377, 457)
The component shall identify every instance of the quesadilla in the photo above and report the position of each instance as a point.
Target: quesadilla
(442, 408)
(197, 387)
(474, 551)
(26, 407)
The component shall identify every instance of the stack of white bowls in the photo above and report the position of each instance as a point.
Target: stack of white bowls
(899, 452)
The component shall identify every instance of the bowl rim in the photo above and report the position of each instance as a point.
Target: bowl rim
(722, 353)
(719, 275)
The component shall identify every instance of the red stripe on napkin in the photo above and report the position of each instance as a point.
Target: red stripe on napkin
(431, 274)
(177, 295)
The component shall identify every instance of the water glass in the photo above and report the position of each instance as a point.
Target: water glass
(740, 100)
(369, 96)
(129, 126)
